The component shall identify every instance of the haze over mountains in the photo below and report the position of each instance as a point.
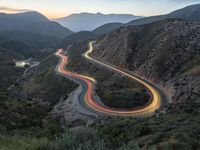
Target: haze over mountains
(90, 21)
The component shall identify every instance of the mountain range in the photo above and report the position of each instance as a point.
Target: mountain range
(90, 21)
(190, 13)
(33, 29)
(33, 22)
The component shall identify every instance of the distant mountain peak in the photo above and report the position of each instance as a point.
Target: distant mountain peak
(32, 15)
(33, 22)
(89, 21)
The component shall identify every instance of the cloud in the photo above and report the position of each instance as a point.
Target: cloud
(8, 9)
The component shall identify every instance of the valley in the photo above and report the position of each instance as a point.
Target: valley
(121, 82)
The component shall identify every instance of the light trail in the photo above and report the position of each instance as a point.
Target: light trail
(93, 105)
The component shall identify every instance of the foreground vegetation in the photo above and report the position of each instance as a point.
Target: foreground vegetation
(22, 129)
(164, 132)
(24, 124)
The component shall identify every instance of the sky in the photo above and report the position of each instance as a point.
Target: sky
(60, 8)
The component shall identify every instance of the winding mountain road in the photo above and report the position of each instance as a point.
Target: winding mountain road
(87, 100)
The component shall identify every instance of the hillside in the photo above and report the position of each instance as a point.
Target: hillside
(168, 55)
(43, 85)
(107, 28)
(25, 106)
(32, 22)
(90, 21)
(35, 42)
(10, 50)
(14, 48)
(25, 118)
(78, 37)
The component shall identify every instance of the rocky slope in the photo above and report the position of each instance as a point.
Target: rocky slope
(166, 52)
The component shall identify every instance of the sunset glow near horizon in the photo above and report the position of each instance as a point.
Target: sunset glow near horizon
(61, 8)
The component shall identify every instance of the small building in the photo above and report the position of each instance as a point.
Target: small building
(22, 64)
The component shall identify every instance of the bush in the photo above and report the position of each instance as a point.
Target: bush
(78, 139)
(21, 143)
